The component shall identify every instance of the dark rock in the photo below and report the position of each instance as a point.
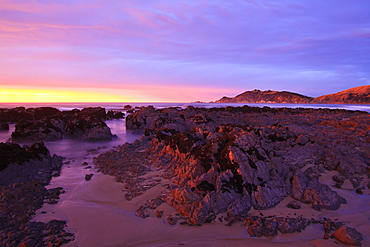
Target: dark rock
(88, 177)
(269, 227)
(294, 205)
(142, 212)
(4, 126)
(356, 181)
(322, 197)
(26, 170)
(51, 124)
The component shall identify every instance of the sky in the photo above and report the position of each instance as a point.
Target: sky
(179, 51)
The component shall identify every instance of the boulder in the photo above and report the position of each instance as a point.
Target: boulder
(348, 235)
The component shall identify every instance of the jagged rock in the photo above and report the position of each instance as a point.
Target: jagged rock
(348, 235)
(239, 206)
(269, 227)
(322, 197)
(299, 184)
(226, 160)
(154, 203)
(115, 114)
(142, 212)
(294, 205)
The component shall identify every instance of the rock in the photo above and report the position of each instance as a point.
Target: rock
(172, 220)
(115, 114)
(356, 181)
(159, 213)
(25, 171)
(294, 205)
(322, 197)
(269, 227)
(88, 177)
(239, 207)
(154, 203)
(299, 184)
(142, 212)
(227, 160)
(50, 124)
(348, 235)
(4, 126)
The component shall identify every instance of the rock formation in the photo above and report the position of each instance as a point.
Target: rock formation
(24, 173)
(229, 160)
(46, 123)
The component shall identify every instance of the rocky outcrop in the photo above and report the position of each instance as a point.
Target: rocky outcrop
(24, 174)
(46, 123)
(270, 226)
(357, 95)
(257, 96)
(230, 160)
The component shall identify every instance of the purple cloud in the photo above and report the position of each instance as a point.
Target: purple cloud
(309, 47)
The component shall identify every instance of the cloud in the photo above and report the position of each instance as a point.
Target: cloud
(243, 44)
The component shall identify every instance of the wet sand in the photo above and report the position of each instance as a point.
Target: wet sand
(98, 214)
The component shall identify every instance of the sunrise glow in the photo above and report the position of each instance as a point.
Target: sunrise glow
(42, 95)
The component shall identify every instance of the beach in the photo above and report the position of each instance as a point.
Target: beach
(98, 212)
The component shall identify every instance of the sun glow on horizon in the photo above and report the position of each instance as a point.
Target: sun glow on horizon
(11, 95)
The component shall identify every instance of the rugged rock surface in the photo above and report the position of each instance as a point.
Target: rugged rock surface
(357, 95)
(257, 96)
(24, 173)
(230, 160)
(46, 123)
(270, 226)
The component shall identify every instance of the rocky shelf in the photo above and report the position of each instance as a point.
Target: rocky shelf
(24, 173)
(222, 163)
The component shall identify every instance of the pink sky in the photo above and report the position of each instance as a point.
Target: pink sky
(181, 50)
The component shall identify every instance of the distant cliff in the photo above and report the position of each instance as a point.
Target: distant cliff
(257, 96)
(357, 95)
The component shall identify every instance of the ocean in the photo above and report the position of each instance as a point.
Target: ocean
(118, 106)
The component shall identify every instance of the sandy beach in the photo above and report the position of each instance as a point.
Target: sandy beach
(99, 215)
